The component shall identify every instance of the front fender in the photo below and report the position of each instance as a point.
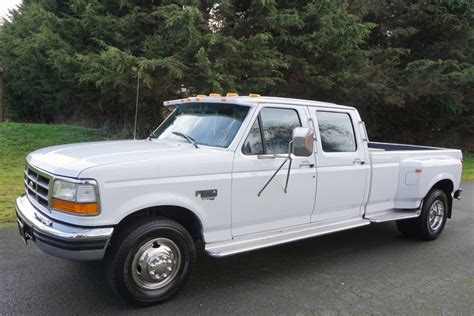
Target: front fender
(141, 202)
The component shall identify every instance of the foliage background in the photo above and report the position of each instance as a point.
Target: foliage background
(406, 65)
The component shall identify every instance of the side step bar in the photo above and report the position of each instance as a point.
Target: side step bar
(280, 236)
(393, 215)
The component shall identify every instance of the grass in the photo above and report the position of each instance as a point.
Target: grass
(468, 168)
(16, 141)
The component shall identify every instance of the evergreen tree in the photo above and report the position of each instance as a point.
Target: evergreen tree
(406, 65)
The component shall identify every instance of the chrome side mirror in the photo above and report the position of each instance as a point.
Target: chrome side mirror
(303, 142)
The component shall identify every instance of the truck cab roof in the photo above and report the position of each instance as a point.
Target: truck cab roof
(253, 100)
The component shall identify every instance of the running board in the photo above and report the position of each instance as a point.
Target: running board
(280, 236)
(393, 215)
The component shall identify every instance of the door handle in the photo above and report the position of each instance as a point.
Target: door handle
(358, 162)
(307, 164)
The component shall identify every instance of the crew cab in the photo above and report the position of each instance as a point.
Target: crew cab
(238, 173)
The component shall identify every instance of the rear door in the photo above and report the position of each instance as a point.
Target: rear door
(254, 164)
(342, 165)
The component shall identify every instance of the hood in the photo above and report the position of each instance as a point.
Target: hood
(71, 160)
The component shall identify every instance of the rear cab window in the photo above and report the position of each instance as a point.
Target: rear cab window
(337, 132)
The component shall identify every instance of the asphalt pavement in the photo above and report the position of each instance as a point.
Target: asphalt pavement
(369, 270)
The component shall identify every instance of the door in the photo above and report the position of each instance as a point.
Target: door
(255, 162)
(342, 165)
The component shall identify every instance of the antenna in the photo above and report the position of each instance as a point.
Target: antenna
(136, 105)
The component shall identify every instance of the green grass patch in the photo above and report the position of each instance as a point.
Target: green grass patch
(468, 169)
(16, 141)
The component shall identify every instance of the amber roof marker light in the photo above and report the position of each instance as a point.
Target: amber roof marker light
(204, 97)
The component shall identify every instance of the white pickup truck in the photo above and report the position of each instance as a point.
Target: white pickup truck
(236, 172)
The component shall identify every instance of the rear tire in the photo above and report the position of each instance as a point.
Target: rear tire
(434, 215)
(150, 261)
(430, 224)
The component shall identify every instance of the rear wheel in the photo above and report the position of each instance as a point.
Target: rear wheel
(150, 261)
(430, 224)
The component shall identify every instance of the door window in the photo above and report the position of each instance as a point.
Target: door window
(271, 132)
(337, 133)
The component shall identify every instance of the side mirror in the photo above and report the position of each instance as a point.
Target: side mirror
(302, 145)
(303, 142)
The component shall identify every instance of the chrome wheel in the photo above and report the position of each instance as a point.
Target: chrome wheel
(156, 263)
(436, 215)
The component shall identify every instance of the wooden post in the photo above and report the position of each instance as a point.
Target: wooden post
(2, 104)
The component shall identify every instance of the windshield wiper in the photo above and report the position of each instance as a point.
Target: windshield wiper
(187, 137)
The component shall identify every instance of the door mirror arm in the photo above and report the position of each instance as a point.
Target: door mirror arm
(287, 158)
(301, 145)
(290, 150)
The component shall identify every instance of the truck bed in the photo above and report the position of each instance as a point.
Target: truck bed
(401, 175)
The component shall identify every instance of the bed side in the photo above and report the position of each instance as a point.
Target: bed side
(401, 177)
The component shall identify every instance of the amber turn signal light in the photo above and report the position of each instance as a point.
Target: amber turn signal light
(74, 207)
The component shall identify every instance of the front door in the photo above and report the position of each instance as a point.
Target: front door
(342, 165)
(255, 162)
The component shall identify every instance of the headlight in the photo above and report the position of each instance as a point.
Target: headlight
(75, 197)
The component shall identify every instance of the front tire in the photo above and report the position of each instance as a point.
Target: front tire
(150, 261)
(430, 224)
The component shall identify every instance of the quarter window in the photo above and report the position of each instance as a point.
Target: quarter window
(337, 133)
(254, 144)
(272, 131)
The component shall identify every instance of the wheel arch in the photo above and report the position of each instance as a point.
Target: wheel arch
(184, 216)
(447, 186)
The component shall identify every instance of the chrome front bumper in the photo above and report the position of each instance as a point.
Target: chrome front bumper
(59, 239)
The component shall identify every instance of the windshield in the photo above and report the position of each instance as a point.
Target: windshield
(209, 124)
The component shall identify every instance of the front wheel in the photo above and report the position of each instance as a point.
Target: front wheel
(150, 261)
(430, 224)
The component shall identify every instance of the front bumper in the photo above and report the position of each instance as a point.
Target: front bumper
(59, 239)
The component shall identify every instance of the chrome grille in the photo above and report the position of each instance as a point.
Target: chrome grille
(37, 186)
